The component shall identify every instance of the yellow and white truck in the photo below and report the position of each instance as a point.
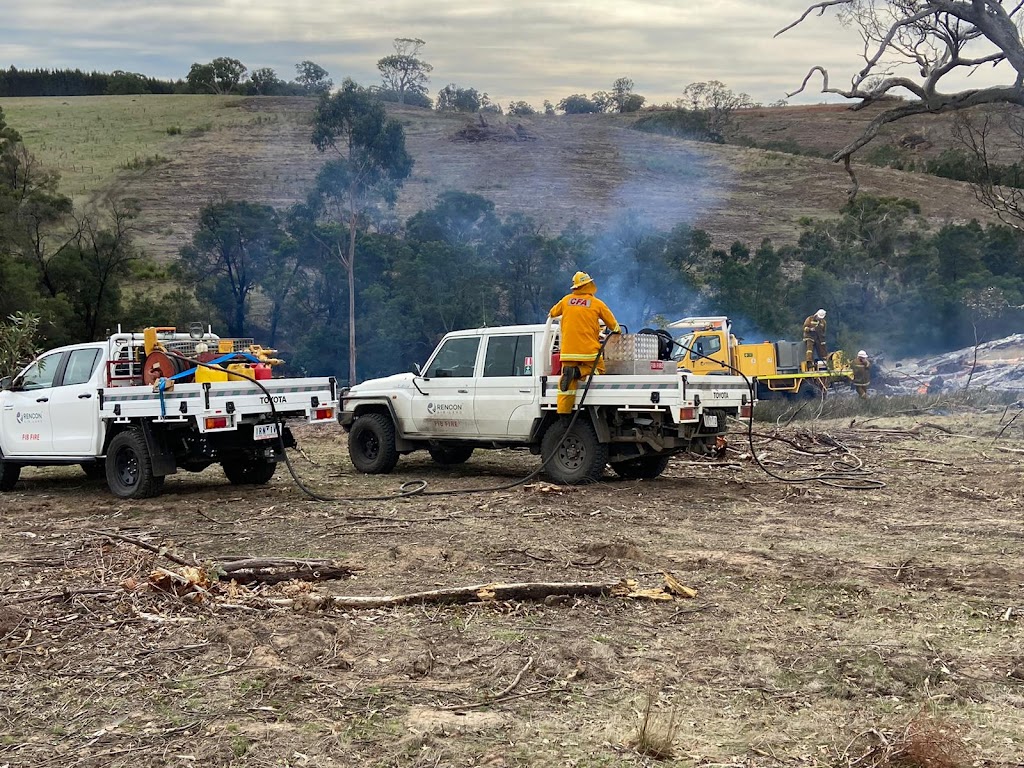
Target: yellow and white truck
(707, 346)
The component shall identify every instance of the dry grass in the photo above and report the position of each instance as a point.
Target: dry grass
(586, 169)
(90, 140)
(656, 732)
(821, 614)
(841, 406)
(925, 742)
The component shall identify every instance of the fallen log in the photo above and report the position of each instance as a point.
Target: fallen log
(477, 593)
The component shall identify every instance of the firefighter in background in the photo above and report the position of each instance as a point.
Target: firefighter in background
(814, 338)
(861, 374)
(582, 314)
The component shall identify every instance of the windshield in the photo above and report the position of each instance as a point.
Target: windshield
(682, 347)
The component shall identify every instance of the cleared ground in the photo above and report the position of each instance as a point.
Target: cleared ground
(824, 620)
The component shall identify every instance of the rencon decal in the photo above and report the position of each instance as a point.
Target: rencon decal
(444, 409)
(28, 417)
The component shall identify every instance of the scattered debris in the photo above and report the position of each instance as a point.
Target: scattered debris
(480, 130)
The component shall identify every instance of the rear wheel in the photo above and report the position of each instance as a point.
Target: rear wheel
(371, 444)
(576, 459)
(9, 474)
(130, 467)
(451, 454)
(249, 471)
(642, 467)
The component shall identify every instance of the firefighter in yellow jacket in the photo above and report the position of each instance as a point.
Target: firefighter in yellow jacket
(814, 337)
(582, 314)
(861, 374)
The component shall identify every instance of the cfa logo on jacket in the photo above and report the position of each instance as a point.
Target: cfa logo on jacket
(577, 301)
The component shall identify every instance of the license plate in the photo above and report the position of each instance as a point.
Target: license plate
(710, 420)
(264, 431)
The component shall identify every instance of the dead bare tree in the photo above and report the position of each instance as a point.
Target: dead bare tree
(988, 138)
(941, 40)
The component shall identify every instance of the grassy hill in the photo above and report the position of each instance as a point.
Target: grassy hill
(176, 153)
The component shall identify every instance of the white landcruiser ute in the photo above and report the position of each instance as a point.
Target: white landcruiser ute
(497, 388)
(111, 408)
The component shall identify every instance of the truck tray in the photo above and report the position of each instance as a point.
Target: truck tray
(640, 367)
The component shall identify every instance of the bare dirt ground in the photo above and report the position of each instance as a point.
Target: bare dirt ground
(587, 169)
(825, 619)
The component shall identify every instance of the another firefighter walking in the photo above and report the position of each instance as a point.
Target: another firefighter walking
(861, 374)
(814, 338)
(582, 314)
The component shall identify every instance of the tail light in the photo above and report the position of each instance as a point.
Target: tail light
(687, 414)
(746, 411)
(216, 422)
(320, 414)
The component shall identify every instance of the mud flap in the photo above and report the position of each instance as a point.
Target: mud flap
(160, 453)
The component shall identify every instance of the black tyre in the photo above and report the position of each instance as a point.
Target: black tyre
(371, 444)
(642, 467)
(576, 459)
(249, 471)
(9, 474)
(94, 470)
(451, 454)
(130, 467)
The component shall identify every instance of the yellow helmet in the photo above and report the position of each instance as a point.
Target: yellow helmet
(581, 279)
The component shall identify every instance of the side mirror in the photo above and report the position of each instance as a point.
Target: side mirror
(416, 367)
(6, 382)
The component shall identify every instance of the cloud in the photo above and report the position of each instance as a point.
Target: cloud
(529, 49)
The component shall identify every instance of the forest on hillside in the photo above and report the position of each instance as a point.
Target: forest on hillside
(890, 284)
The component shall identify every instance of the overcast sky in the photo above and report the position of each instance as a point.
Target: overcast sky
(512, 49)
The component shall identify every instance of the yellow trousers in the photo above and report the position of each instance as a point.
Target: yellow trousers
(567, 397)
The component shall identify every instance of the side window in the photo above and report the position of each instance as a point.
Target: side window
(40, 374)
(509, 356)
(80, 367)
(457, 357)
(705, 346)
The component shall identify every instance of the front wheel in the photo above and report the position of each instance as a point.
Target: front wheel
(575, 457)
(130, 467)
(446, 455)
(371, 444)
(9, 474)
(642, 467)
(249, 471)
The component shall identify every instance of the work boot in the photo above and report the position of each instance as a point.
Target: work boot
(569, 374)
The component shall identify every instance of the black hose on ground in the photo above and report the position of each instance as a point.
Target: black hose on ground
(851, 479)
(410, 487)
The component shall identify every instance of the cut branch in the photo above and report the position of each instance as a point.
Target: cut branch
(471, 594)
(248, 570)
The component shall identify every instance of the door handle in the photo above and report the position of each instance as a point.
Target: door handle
(85, 396)
(526, 391)
(463, 391)
(42, 400)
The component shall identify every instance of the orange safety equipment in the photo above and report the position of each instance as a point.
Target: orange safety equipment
(582, 313)
(581, 279)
